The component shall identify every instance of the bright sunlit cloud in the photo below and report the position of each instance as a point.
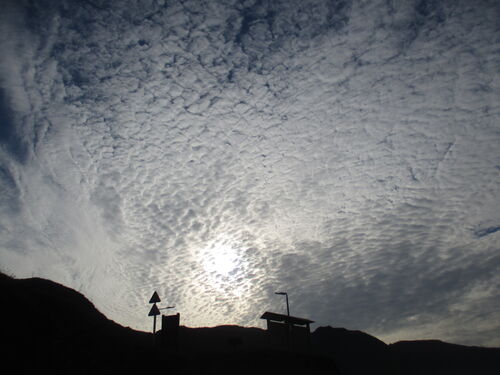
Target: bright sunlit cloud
(221, 259)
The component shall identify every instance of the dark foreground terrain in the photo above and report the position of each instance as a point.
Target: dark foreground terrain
(48, 327)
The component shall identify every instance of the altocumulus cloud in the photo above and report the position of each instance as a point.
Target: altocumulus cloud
(217, 151)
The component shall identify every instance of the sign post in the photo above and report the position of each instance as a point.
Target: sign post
(154, 310)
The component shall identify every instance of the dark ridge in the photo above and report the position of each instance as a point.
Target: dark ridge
(56, 329)
(49, 327)
(355, 352)
(417, 357)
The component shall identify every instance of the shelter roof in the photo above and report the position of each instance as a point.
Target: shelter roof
(285, 318)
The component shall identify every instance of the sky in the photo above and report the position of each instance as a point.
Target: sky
(344, 151)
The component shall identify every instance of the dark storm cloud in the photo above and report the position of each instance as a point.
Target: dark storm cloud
(219, 151)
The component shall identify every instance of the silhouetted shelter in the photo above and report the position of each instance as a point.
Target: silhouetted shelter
(288, 332)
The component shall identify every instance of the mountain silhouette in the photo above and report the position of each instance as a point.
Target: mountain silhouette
(438, 357)
(355, 352)
(49, 327)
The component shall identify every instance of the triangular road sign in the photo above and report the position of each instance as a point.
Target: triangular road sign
(155, 298)
(154, 311)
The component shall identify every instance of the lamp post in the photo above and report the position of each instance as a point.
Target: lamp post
(289, 326)
(287, 305)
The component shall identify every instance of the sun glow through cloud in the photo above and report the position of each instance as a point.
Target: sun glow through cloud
(223, 263)
(220, 259)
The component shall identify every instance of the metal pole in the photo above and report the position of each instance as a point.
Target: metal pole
(154, 324)
(288, 324)
(287, 305)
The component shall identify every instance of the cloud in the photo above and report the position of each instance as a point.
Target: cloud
(346, 152)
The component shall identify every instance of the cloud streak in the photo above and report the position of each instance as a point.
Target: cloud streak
(344, 151)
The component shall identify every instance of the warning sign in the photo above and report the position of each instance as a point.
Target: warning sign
(155, 298)
(154, 311)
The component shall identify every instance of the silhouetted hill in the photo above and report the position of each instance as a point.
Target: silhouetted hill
(437, 357)
(49, 327)
(222, 339)
(355, 352)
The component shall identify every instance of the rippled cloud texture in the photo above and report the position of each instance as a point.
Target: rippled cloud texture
(347, 152)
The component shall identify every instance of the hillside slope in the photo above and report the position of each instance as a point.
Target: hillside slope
(49, 327)
(437, 357)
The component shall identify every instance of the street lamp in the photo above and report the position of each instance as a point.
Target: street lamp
(287, 305)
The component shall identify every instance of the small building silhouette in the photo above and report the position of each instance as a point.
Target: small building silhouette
(170, 332)
(288, 332)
